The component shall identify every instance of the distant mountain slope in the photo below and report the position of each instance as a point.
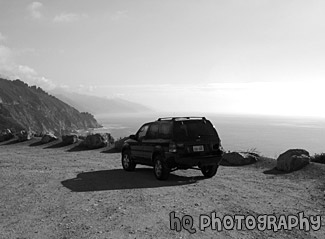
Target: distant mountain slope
(99, 105)
(25, 107)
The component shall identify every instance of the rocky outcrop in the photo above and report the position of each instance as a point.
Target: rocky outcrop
(69, 139)
(238, 158)
(24, 135)
(25, 107)
(49, 137)
(6, 134)
(292, 160)
(118, 144)
(94, 141)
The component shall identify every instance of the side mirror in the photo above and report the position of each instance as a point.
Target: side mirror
(132, 136)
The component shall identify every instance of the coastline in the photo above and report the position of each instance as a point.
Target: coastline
(268, 135)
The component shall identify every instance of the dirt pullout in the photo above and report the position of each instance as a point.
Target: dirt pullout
(55, 191)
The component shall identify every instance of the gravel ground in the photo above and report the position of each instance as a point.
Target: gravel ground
(55, 191)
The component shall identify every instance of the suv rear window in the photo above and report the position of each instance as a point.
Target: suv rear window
(193, 129)
(165, 131)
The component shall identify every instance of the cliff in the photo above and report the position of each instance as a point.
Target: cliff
(30, 107)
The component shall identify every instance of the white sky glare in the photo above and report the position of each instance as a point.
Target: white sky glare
(249, 57)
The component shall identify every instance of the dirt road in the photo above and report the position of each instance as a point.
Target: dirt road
(55, 191)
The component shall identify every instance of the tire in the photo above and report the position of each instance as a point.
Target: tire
(160, 169)
(209, 171)
(127, 163)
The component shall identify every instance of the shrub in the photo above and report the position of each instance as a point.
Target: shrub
(253, 151)
(318, 158)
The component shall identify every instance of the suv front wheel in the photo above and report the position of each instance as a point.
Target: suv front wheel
(127, 162)
(209, 171)
(160, 169)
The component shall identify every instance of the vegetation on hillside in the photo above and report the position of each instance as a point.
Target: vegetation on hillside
(31, 108)
(318, 158)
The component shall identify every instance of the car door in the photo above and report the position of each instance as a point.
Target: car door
(149, 142)
(137, 147)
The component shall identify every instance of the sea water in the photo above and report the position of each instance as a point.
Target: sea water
(269, 136)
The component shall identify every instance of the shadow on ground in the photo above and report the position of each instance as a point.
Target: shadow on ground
(111, 151)
(275, 171)
(82, 147)
(37, 143)
(116, 179)
(79, 147)
(57, 145)
(12, 141)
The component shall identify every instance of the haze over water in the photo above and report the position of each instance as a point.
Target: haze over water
(267, 135)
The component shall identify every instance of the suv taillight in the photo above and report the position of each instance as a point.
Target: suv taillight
(172, 147)
(216, 146)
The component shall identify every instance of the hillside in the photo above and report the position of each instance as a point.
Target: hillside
(99, 105)
(30, 107)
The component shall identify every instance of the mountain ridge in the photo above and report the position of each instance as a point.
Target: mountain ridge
(99, 105)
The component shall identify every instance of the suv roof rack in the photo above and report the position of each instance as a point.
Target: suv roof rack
(181, 118)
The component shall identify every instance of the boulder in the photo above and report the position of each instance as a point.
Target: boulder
(48, 137)
(82, 137)
(6, 134)
(292, 160)
(110, 139)
(70, 139)
(238, 158)
(94, 141)
(38, 134)
(24, 135)
(118, 144)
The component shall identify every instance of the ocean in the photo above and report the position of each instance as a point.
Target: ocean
(269, 136)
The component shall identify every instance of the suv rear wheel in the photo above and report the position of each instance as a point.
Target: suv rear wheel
(209, 171)
(160, 169)
(127, 162)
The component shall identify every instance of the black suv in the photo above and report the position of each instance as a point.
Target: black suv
(174, 143)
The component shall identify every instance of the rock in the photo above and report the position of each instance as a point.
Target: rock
(6, 134)
(292, 160)
(238, 158)
(24, 135)
(70, 139)
(82, 137)
(94, 141)
(119, 143)
(48, 137)
(38, 134)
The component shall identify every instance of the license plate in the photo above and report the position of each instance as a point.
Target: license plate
(198, 148)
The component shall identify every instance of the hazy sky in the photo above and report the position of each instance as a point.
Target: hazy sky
(244, 56)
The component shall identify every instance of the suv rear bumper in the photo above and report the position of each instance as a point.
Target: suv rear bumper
(176, 160)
